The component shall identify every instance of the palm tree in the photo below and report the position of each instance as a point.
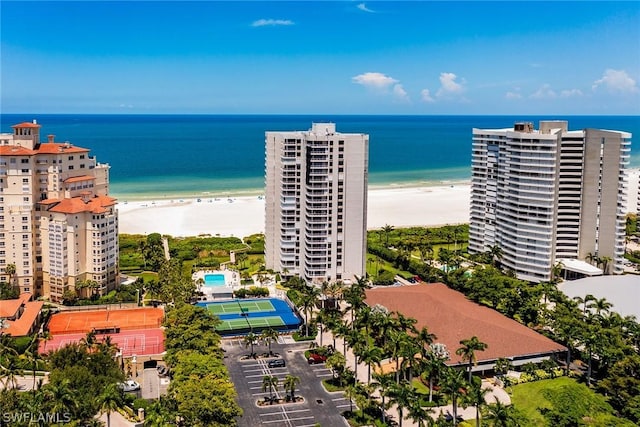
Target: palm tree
(402, 395)
(337, 363)
(308, 300)
(475, 396)
(10, 269)
(434, 366)
(10, 371)
(269, 335)
(600, 305)
(468, 351)
(453, 385)
(60, 396)
(502, 415)
(606, 261)
(249, 341)
(384, 383)
(357, 341)
(496, 254)
(289, 384)
(271, 383)
(110, 400)
(370, 354)
(419, 414)
(387, 229)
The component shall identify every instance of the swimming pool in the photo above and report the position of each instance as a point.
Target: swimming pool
(214, 280)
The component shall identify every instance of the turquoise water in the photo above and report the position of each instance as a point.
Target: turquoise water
(214, 280)
(168, 156)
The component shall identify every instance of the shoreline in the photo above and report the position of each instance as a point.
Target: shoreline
(241, 216)
(254, 192)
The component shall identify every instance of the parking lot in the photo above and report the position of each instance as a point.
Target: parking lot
(319, 406)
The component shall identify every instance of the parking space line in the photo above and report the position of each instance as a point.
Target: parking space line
(290, 412)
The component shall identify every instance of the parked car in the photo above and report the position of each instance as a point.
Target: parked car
(163, 371)
(129, 385)
(277, 363)
(316, 358)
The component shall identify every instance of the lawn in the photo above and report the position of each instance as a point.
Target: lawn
(572, 399)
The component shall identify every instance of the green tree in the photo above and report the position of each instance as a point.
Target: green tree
(401, 394)
(454, 385)
(110, 400)
(289, 384)
(249, 341)
(387, 229)
(501, 415)
(270, 383)
(475, 396)
(337, 363)
(269, 335)
(468, 352)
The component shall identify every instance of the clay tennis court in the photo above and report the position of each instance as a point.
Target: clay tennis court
(81, 322)
(130, 343)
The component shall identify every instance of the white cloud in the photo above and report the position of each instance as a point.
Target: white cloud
(363, 7)
(377, 81)
(567, 93)
(545, 92)
(271, 22)
(616, 81)
(400, 94)
(513, 95)
(425, 95)
(449, 86)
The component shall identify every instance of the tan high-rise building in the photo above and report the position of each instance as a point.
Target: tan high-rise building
(316, 203)
(58, 225)
(550, 195)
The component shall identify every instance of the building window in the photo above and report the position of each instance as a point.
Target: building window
(70, 157)
(24, 160)
(25, 180)
(70, 167)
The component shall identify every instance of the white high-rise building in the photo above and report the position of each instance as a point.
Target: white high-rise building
(58, 225)
(550, 195)
(316, 203)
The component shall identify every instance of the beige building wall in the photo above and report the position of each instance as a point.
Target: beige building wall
(53, 196)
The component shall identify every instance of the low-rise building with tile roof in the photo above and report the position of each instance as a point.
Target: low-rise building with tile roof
(452, 318)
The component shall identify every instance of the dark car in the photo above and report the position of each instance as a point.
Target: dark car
(316, 358)
(277, 363)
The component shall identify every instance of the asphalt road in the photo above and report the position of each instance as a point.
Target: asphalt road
(319, 407)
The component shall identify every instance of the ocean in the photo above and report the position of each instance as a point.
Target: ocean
(170, 156)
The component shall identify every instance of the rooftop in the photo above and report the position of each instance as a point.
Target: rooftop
(22, 326)
(97, 204)
(621, 291)
(452, 317)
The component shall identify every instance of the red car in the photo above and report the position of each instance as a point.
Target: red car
(316, 358)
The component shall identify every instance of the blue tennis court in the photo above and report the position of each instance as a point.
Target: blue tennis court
(244, 315)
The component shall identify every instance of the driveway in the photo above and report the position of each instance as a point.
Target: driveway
(319, 407)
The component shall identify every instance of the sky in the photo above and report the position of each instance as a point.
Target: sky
(320, 57)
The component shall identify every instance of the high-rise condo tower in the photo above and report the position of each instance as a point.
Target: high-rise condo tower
(316, 203)
(550, 197)
(58, 225)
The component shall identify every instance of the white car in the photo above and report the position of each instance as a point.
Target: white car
(129, 385)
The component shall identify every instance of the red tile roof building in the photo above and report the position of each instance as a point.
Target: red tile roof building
(58, 225)
(20, 316)
(452, 317)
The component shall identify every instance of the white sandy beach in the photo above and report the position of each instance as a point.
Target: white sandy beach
(243, 216)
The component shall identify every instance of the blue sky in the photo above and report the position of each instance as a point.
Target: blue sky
(305, 57)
